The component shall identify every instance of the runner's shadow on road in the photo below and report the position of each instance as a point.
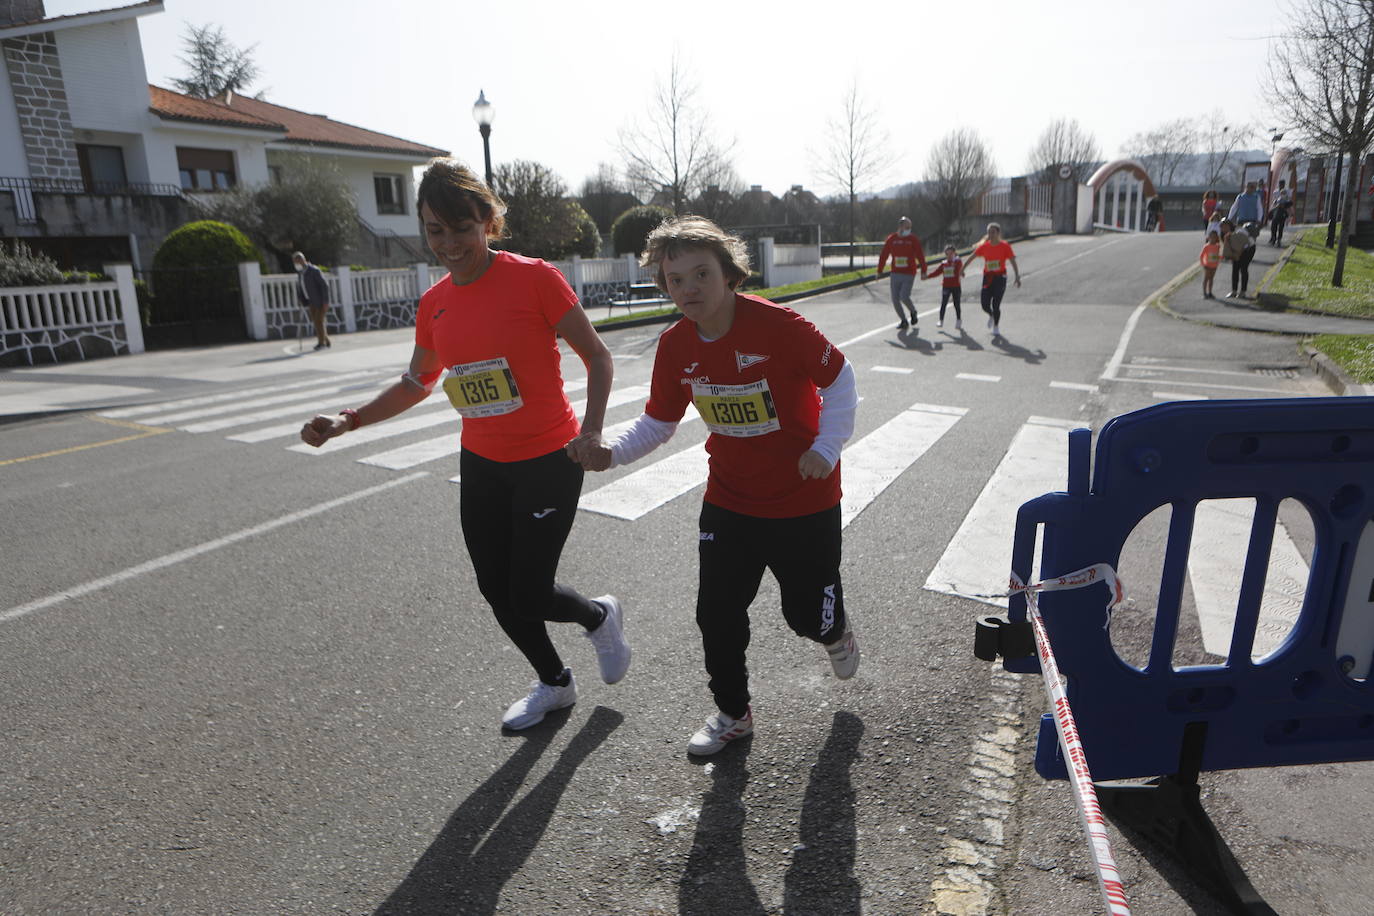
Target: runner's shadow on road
(963, 339)
(456, 874)
(910, 340)
(1034, 357)
(821, 877)
(716, 879)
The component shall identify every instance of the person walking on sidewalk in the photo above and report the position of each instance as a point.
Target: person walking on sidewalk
(313, 292)
(1278, 217)
(1248, 207)
(493, 323)
(1238, 247)
(951, 287)
(908, 258)
(779, 400)
(996, 254)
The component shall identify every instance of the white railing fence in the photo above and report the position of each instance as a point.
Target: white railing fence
(102, 319)
(71, 321)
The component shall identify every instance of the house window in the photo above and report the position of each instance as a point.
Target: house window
(102, 167)
(274, 173)
(390, 190)
(206, 169)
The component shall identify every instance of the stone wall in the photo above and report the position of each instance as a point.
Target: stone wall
(40, 98)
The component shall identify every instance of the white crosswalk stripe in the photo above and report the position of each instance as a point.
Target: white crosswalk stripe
(872, 463)
(640, 492)
(299, 396)
(225, 397)
(977, 559)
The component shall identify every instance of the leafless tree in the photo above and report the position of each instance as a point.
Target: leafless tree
(1164, 148)
(213, 63)
(672, 148)
(1221, 143)
(1321, 76)
(960, 168)
(857, 155)
(1063, 141)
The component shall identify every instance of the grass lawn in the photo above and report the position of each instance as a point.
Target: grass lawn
(1305, 280)
(1354, 353)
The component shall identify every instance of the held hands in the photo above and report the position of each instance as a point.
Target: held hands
(588, 450)
(812, 465)
(1018, 281)
(321, 429)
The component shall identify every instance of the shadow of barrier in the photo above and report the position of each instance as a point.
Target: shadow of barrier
(1309, 700)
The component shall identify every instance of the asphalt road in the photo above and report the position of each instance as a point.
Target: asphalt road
(241, 679)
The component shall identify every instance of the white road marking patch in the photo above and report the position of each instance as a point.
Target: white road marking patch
(899, 370)
(669, 821)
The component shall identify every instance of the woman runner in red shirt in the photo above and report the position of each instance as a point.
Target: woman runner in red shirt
(779, 401)
(995, 254)
(493, 323)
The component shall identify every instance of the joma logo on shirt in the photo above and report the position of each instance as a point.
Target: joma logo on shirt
(828, 609)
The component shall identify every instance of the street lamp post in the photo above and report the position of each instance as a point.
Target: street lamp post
(484, 114)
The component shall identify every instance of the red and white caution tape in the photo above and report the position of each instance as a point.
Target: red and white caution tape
(1090, 812)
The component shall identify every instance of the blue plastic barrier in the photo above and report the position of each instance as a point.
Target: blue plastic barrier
(1309, 701)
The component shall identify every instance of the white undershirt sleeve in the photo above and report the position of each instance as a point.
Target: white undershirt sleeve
(645, 435)
(836, 423)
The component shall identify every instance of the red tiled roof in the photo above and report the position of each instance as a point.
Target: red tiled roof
(318, 130)
(302, 128)
(173, 106)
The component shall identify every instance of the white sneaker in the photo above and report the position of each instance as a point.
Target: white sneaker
(719, 731)
(939, 322)
(844, 656)
(543, 699)
(612, 651)
(996, 331)
(958, 325)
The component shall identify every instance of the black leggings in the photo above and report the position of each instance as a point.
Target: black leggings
(516, 516)
(804, 555)
(1240, 269)
(947, 293)
(994, 288)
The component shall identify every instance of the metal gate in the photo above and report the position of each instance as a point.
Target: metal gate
(194, 306)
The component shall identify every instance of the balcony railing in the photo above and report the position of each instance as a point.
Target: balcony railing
(23, 190)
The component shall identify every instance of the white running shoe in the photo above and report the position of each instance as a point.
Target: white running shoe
(612, 651)
(844, 655)
(542, 699)
(939, 322)
(996, 331)
(958, 325)
(719, 731)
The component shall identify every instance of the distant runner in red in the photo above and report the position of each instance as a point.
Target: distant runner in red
(908, 259)
(778, 399)
(996, 254)
(951, 287)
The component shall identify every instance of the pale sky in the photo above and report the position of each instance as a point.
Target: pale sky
(565, 77)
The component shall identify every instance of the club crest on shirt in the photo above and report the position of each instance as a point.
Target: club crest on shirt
(745, 360)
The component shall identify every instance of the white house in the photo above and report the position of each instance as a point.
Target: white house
(98, 165)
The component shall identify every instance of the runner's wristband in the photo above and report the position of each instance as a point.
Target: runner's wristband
(352, 416)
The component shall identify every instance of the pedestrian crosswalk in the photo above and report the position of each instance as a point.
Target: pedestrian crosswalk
(974, 563)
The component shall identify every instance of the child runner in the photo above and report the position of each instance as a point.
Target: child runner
(950, 288)
(908, 258)
(492, 322)
(995, 254)
(1211, 260)
(779, 400)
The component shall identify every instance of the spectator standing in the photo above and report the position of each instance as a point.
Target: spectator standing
(1248, 207)
(313, 292)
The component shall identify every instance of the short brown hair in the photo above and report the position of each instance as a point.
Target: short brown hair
(455, 193)
(680, 234)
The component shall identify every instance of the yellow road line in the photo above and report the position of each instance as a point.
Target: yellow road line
(145, 431)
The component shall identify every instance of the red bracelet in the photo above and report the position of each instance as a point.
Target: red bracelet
(352, 415)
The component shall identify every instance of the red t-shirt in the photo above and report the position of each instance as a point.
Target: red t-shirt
(906, 253)
(756, 389)
(499, 333)
(995, 257)
(948, 271)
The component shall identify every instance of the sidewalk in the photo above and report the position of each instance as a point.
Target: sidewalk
(1186, 301)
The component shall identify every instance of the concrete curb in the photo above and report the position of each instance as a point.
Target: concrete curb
(1334, 376)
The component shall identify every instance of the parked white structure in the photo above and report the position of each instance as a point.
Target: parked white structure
(79, 122)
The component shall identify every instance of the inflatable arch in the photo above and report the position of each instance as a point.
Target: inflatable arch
(1121, 189)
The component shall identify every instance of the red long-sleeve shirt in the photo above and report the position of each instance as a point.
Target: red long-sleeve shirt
(948, 271)
(906, 252)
